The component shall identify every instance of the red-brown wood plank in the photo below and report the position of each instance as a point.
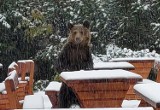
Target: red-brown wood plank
(100, 86)
(101, 103)
(102, 95)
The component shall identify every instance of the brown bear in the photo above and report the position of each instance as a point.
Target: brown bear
(76, 53)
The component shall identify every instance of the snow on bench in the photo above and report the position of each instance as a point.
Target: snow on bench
(52, 90)
(2, 87)
(33, 101)
(113, 65)
(4, 91)
(13, 66)
(149, 92)
(53, 86)
(37, 102)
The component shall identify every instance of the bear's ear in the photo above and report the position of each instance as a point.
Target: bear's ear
(86, 24)
(70, 26)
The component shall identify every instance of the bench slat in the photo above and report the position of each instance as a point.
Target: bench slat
(149, 92)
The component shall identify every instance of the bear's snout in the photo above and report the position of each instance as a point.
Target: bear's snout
(78, 40)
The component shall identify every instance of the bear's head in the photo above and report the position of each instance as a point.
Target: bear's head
(79, 34)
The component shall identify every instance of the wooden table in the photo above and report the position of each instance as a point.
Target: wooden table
(99, 88)
(142, 66)
(52, 90)
(113, 65)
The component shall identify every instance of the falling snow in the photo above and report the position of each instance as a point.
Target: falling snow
(4, 22)
(109, 20)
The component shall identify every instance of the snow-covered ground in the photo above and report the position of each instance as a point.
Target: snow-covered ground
(125, 104)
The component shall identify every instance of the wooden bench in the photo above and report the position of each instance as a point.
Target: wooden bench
(22, 87)
(150, 93)
(142, 66)
(52, 90)
(20, 90)
(13, 66)
(11, 84)
(99, 88)
(4, 103)
(30, 101)
(113, 65)
(25, 70)
(27, 73)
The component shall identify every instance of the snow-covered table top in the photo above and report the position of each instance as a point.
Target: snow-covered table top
(132, 59)
(113, 65)
(149, 91)
(25, 61)
(53, 86)
(99, 74)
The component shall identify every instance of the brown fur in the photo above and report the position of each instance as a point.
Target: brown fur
(81, 33)
(75, 55)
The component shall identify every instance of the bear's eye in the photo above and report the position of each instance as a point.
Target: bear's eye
(74, 32)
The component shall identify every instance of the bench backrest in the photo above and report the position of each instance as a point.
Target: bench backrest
(11, 84)
(28, 69)
(13, 66)
(22, 69)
